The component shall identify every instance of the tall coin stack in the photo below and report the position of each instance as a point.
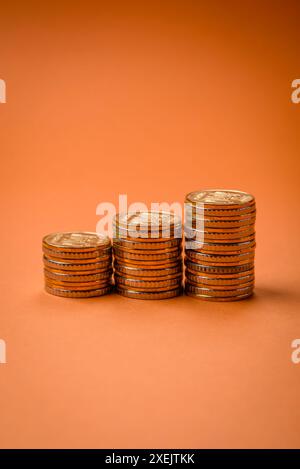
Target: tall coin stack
(77, 265)
(147, 250)
(219, 245)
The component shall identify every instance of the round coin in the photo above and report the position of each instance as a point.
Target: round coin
(222, 287)
(77, 294)
(205, 280)
(221, 276)
(148, 252)
(59, 276)
(77, 255)
(195, 208)
(130, 293)
(133, 271)
(149, 278)
(157, 264)
(132, 234)
(77, 286)
(230, 248)
(192, 223)
(156, 285)
(145, 237)
(218, 235)
(94, 260)
(147, 221)
(140, 245)
(218, 269)
(217, 298)
(216, 259)
(90, 266)
(147, 257)
(215, 293)
(79, 241)
(202, 238)
(221, 199)
(199, 214)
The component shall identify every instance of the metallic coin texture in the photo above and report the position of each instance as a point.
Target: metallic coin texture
(151, 285)
(219, 244)
(130, 293)
(151, 246)
(198, 279)
(77, 294)
(77, 265)
(221, 199)
(147, 267)
(66, 277)
(97, 253)
(134, 271)
(147, 220)
(76, 241)
(218, 269)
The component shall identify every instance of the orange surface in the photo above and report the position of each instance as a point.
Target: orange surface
(152, 99)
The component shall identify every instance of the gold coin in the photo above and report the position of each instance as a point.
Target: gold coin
(130, 293)
(226, 277)
(157, 264)
(191, 209)
(145, 237)
(218, 269)
(76, 241)
(71, 277)
(205, 280)
(132, 271)
(221, 199)
(148, 252)
(89, 266)
(152, 245)
(77, 294)
(222, 287)
(76, 286)
(229, 248)
(77, 255)
(168, 255)
(218, 298)
(215, 293)
(199, 214)
(245, 223)
(228, 259)
(147, 221)
(148, 285)
(150, 278)
(103, 270)
(94, 260)
(220, 241)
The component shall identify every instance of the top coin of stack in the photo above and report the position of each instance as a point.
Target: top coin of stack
(77, 264)
(147, 250)
(220, 244)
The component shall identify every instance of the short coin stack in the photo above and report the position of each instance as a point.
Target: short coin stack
(220, 245)
(78, 264)
(147, 250)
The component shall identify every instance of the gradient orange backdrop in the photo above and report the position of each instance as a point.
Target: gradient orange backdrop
(150, 99)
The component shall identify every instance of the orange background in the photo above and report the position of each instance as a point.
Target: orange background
(152, 99)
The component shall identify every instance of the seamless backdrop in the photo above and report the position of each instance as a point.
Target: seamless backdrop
(150, 99)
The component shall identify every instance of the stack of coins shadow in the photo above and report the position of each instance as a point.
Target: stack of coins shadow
(78, 264)
(219, 245)
(147, 249)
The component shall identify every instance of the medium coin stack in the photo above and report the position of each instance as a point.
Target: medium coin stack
(147, 250)
(219, 245)
(78, 264)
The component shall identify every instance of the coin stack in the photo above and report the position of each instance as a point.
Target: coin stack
(147, 250)
(78, 264)
(219, 245)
